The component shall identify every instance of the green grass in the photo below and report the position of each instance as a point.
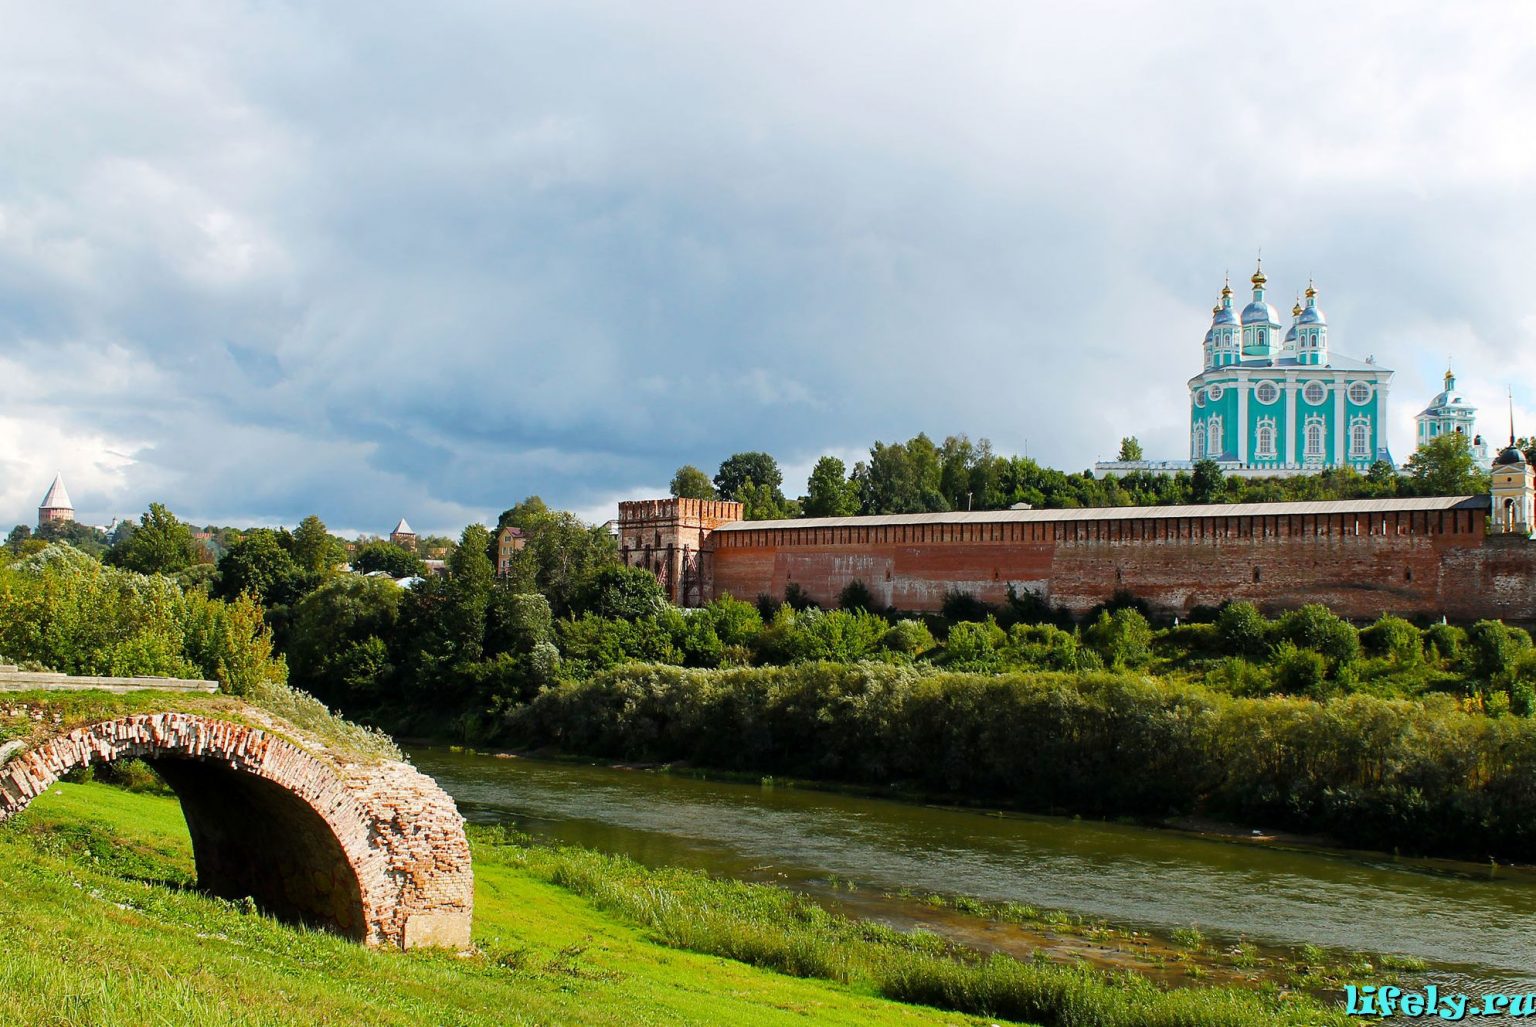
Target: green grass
(101, 927)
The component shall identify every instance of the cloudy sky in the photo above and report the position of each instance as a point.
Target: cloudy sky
(371, 259)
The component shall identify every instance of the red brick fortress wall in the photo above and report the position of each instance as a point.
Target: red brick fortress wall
(1412, 557)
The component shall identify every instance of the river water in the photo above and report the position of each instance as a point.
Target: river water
(1473, 923)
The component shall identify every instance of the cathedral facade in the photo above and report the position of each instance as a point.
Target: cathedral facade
(1279, 400)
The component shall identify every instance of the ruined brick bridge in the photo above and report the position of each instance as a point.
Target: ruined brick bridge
(369, 848)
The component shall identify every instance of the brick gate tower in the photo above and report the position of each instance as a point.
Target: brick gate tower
(665, 536)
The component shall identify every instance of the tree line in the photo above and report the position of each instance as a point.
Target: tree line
(922, 476)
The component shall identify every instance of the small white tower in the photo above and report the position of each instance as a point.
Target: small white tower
(1514, 490)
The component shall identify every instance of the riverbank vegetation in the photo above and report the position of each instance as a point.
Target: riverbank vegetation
(1421, 776)
(102, 927)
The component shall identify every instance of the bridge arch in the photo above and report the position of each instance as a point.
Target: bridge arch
(375, 852)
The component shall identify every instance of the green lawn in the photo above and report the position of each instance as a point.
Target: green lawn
(99, 928)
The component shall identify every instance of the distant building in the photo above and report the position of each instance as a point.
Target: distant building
(509, 541)
(1269, 404)
(1450, 413)
(403, 536)
(55, 507)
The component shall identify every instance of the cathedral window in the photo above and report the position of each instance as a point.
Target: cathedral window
(1215, 391)
(1264, 439)
(1359, 393)
(1360, 437)
(1314, 393)
(1213, 437)
(1197, 450)
(1266, 392)
(1314, 437)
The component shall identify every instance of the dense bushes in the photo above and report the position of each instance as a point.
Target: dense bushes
(1378, 773)
(63, 611)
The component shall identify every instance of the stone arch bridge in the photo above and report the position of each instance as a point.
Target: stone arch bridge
(373, 850)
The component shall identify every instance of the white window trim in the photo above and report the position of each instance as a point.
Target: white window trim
(1321, 424)
(1355, 424)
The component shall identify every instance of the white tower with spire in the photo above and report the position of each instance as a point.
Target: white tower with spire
(55, 507)
(1514, 489)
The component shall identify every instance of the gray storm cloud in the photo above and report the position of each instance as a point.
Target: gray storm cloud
(258, 261)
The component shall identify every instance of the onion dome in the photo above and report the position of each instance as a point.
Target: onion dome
(1222, 313)
(1290, 334)
(1259, 312)
(1511, 457)
(1312, 314)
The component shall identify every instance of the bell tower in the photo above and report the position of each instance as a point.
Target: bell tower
(1514, 490)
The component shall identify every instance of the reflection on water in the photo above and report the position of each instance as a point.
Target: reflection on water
(1461, 918)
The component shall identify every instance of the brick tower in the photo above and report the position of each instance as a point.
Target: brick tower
(665, 536)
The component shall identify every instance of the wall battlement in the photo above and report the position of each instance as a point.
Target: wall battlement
(1415, 557)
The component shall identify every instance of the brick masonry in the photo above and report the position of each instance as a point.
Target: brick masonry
(1411, 561)
(375, 852)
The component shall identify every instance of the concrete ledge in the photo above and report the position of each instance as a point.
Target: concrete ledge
(13, 680)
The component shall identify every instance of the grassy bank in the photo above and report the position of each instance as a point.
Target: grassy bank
(101, 928)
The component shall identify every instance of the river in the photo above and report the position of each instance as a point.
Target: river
(1472, 923)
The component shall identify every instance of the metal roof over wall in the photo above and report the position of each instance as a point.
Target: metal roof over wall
(1131, 513)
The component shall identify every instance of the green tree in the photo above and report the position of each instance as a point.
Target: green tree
(1207, 484)
(1241, 630)
(560, 553)
(1130, 449)
(761, 503)
(314, 548)
(1444, 466)
(1122, 638)
(160, 544)
(519, 621)
(691, 483)
(741, 468)
(902, 478)
(625, 592)
(17, 539)
(829, 492)
(471, 577)
(379, 555)
(336, 641)
(259, 564)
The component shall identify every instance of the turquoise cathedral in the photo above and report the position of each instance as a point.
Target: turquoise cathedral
(1277, 400)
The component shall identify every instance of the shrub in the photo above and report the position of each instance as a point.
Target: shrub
(911, 637)
(1444, 644)
(1042, 647)
(1122, 638)
(855, 596)
(797, 598)
(735, 622)
(1300, 671)
(1319, 629)
(973, 646)
(1241, 630)
(1492, 649)
(962, 606)
(1394, 639)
